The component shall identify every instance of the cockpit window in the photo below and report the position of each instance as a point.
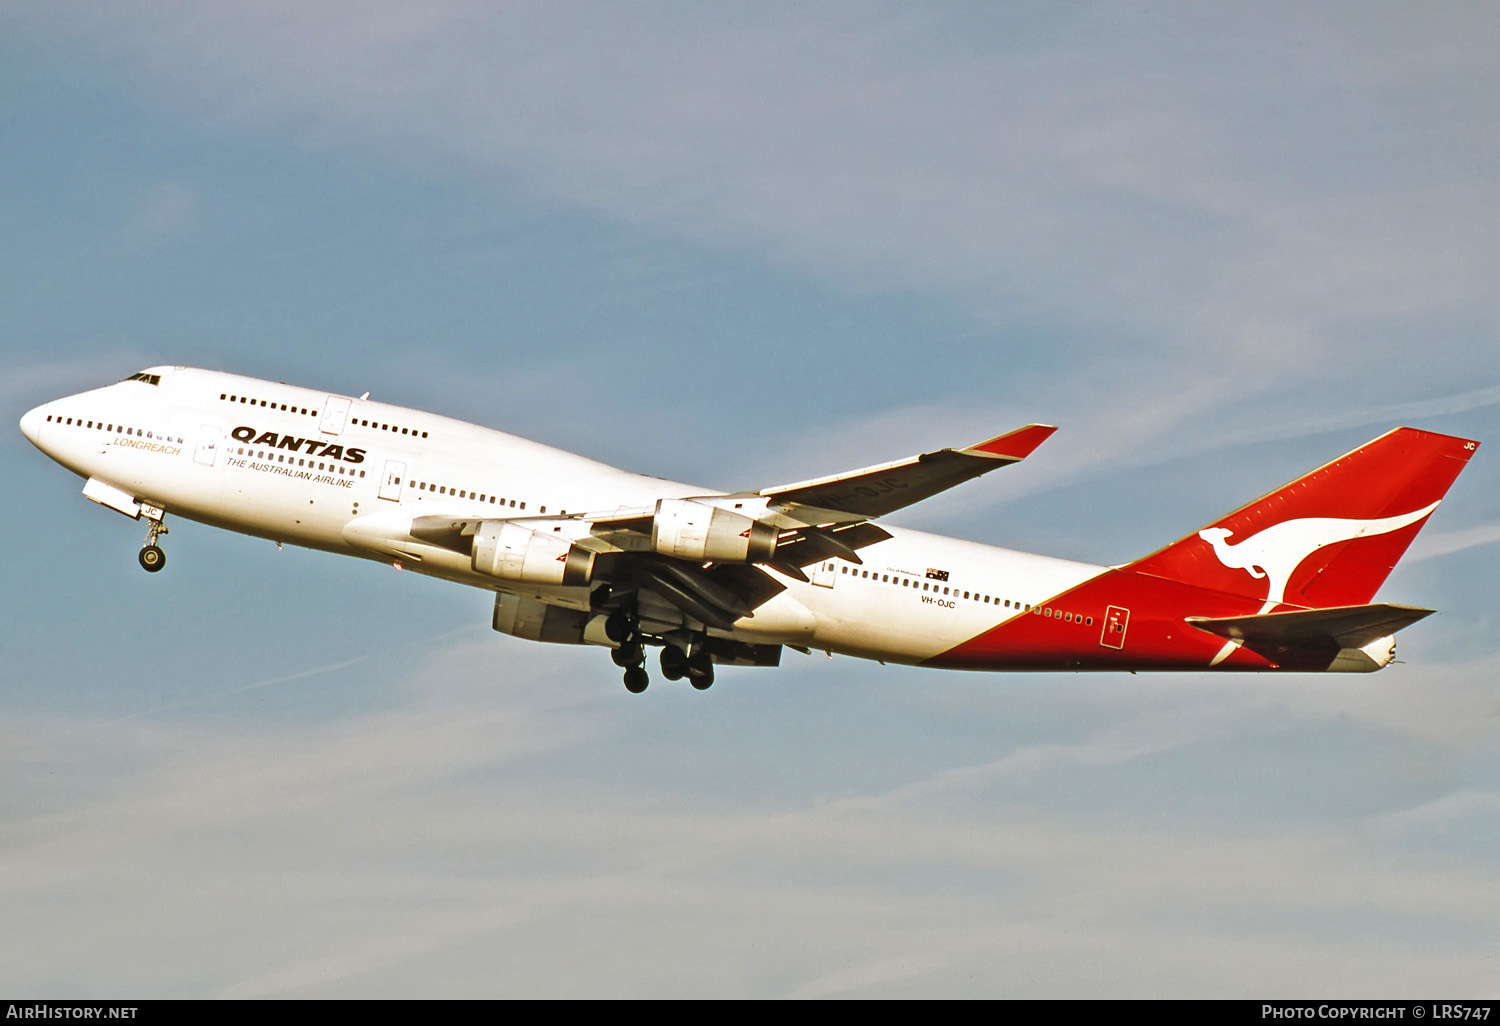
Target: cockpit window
(150, 379)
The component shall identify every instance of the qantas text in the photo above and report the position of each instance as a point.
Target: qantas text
(309, 446)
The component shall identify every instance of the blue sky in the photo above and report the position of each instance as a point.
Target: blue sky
(740, 245)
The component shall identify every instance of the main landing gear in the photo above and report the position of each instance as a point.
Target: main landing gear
(698, 668)
(152, 558)
(623, 627)
(625, 631)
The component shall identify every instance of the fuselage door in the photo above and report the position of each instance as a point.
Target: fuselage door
(1116, 619)
(335, 414)
(208, 445)
(825, 573)
(390, 484)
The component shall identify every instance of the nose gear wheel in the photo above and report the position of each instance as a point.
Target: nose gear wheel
(151, 557)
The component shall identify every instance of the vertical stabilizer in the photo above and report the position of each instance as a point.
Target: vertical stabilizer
(1331, 537)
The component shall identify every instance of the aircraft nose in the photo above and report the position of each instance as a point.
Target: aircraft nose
(31, 425)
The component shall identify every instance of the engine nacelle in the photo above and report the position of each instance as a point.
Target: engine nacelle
(537, 621)
(698, 531)
(517, 553)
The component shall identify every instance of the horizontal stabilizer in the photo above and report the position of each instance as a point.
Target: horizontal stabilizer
(1339, 627)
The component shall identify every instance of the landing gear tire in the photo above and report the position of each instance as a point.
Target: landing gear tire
(636, 680)
(700, 669)
(617, 627)
(152, 558)
(628, 654)
(674, 663)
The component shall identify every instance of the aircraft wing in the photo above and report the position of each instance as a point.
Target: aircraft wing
(807, 522)
(829, 516)
(860, 495)
(875, 491)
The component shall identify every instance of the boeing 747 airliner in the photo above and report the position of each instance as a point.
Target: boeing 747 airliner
(578, 552)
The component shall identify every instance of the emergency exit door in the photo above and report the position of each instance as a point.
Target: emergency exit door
(1116, 619)
(335, 414)
(390, 484)
(208, 445)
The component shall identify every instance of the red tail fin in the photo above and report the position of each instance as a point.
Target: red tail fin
(1329, 538)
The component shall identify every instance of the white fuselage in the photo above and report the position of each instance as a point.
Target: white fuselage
(346, 475)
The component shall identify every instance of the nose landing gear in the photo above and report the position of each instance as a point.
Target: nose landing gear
(152, 558)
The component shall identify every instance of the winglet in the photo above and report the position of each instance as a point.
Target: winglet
(1014, 445)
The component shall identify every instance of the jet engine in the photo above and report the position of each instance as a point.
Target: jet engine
(517, 553)
(698, 531)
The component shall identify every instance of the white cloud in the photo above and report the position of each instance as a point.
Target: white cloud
(1447, 543)
(1231, 221)
(1240, 184)
(465, 840)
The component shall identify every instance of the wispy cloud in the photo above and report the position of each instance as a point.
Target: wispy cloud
(398, 851)
(1235, 194)
(1447, 543)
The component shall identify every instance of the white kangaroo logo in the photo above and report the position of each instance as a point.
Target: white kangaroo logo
(1276, 552)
